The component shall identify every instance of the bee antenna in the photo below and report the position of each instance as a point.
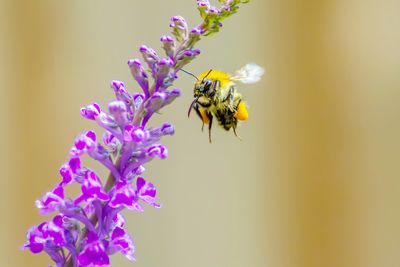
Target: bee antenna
(208, 73)
(191, 74)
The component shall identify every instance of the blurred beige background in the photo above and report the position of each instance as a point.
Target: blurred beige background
(314, 183)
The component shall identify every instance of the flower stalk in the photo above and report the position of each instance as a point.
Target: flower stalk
(87, 229)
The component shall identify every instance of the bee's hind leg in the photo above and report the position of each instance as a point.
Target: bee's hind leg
(210, 117)
(234, 131)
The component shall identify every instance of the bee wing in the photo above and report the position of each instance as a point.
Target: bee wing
(250, 73)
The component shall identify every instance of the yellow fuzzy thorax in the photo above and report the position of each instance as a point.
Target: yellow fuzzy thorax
(223, 77)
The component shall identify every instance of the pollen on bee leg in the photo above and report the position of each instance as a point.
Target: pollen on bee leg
(242, 113)
(204, 116)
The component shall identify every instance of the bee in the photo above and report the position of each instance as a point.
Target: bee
(215, 95)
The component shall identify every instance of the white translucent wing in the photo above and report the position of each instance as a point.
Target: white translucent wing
(250, 73)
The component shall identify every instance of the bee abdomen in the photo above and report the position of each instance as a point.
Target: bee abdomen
(226, 118)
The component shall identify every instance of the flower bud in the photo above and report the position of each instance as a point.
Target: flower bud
(157, 151)
(91, 111)
(138, 99)
(168, 44)
(149, 55)
(171, 96)
(111, 142)
(186, 56)
(106, 121)
(116, 107)
(214, 10)
(139, 74)
(120, 91)
(179, 28)
(85, 142)
(156, 101)
(119, 111)
(163, 69)
(135, 134)
(167, 129)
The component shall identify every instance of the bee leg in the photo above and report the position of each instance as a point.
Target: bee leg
(216, 85)
(196, 108)
(234, 131)
(210, 117)
(230, 97)
(231, 94)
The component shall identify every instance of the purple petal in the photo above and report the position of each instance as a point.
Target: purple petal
(51, 201)
(157, 151)
(74, 164)
(118, 86)
(122, 242)
(118, 220)
(135, 134)
(166, 39)
(146, 191)
(124, 195)
(54, 230)
(84, 143)
(93, 253)
(91, 135)
(91, 111)
(116, 107)
(138, 99)
(35, 239)
(66, 174)
(92, 187)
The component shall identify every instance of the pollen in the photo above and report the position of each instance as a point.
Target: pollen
(204, 116)
(242, 113)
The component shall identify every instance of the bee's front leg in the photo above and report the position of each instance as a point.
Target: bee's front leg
(210, 117)
(197, 109)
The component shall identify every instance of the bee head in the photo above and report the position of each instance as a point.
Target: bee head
(204, 88)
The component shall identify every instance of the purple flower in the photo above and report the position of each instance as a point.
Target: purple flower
(66, 173)
(54, 231)
(88, 228)
(46, 236)
(51, 201)
(74, 164)
(92, 188)
(120, 91)
(94, 252)
(91, 111)
(151, 57)
(111, 142)
(146, 191)
(119, 112)
(168, 45)
(135, 134)
(139, 74)
(122, 242)
(138, 99)
(124, 195)
(157, 151)
(35, 238)
(84, 143)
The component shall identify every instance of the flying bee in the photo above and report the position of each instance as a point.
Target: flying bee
(215, 95)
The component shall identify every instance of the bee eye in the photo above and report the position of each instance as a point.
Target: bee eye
(207, 85)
